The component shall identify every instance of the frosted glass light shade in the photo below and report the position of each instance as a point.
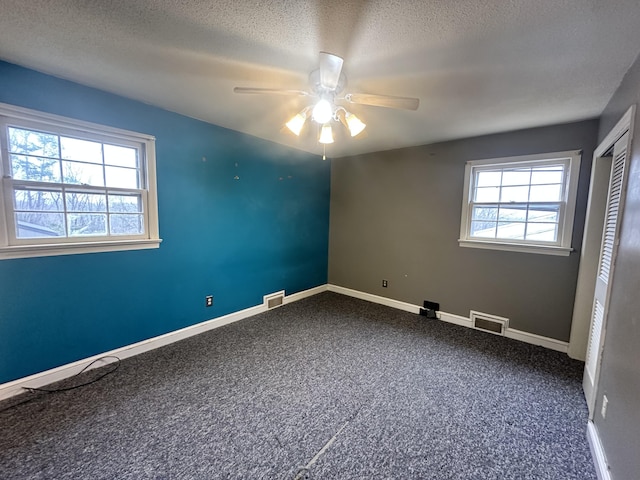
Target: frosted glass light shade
(296, 123)
(326, 134)
(322, 111)
(355, 124)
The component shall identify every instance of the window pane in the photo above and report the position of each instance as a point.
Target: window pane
(546, 176)
(514, 194)
(487, 194)
(123, 224)
(38, 200)
(33, 143)
(120, 156)
(82, 173)
(544, 213)
(516, 177)
(87, 224)
(513, 214)
(545, 193)
(547, 232)
(488, 179)
(483, 229)
(125, 203)
(33, 225)
(86, 202)
(121, 177)
(485, 213)
(35, 168)
(511, 230)
(81, 150)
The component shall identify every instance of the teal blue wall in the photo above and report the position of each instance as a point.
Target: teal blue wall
(235, 239)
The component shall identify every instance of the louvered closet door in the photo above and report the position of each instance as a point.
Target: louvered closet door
(605, 270)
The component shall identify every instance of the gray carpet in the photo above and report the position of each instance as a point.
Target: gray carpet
(343, 387)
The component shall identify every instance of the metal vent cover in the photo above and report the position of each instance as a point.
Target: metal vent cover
(489, 323)
(274, 300)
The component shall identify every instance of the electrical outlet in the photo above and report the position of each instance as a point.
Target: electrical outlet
(385, 284)
(605, 404)
(208, 301)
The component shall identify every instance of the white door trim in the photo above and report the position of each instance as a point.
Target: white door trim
(597, 331)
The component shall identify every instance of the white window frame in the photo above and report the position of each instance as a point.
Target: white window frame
(13, 247)
(567, 204)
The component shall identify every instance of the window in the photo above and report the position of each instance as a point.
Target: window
(523, 204)
(73, 187)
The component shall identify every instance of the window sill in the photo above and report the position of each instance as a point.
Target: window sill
(516, 247)
(48, 250)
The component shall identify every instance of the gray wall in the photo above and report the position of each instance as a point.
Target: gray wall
(620, 370)
(395, 215)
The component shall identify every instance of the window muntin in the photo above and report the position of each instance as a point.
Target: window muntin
(521, 201)
(70, 182)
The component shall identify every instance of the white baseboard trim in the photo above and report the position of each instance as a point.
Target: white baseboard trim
(455, 319)
(550, 343)
(41, 379)
(304, 294)
(597, 452)
(389, 302)
(526, 337)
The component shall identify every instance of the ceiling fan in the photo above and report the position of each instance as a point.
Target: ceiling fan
(327, 84)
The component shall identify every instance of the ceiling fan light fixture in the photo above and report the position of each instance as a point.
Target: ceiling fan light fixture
(326, 134)
(322, 111)
(354, 124)
(327, 84)
(297, 122)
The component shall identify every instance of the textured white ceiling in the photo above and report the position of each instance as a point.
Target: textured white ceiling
(477, 66)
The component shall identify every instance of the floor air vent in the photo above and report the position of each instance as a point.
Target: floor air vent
(489, 323)
(274, 300)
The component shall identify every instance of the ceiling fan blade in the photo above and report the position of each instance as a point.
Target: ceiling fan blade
(330, 69)
(405, 103)
(269, 91)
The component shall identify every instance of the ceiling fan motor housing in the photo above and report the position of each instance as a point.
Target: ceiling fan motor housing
(318, 89)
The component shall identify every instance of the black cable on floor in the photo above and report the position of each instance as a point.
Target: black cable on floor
(73, 387)
(65, 389)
